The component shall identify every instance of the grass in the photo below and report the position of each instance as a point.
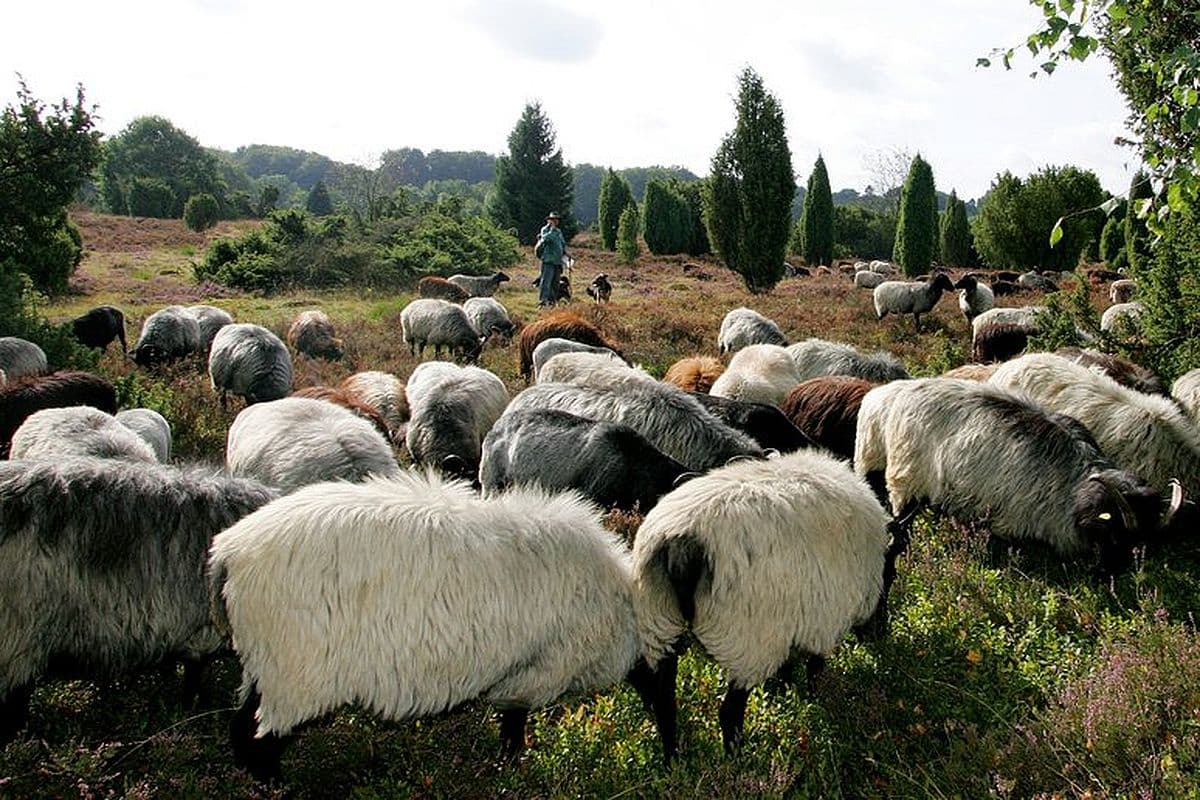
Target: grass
(1005, 674)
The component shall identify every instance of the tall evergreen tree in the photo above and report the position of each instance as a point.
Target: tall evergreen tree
(318, 202)
(916, 227)
(955, 234)
(532, 179)
(1112, 239)
(748, 197)
(666, 219)
(692, 193)
(1137, 235)
(816, 221)
(627, 235)
(615, 194)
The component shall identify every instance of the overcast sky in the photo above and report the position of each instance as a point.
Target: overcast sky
(626, 83)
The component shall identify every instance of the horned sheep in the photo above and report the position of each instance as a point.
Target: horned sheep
(758, 373)
(817, 357)
(558, 325)
(250, 361)
(479, 285)
(745, 326)
(20, 358)
(440, 324)
(910, 297)
(77, 431)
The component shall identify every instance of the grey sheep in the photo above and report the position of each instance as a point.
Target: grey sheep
(479, 285)
(1186, 392)
(250, 361)
(910, 297)
(1122, 315)
(488, 316)
(152, 427)
(19, 358)
(80, 431)
(210, 319)
(453, 408)
(817, 357)
(1037, 282)
(549, 348)
(745, 326)
(168, 334)
(868, 279)
(439, 323)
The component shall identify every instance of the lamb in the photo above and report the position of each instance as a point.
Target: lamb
(104, 565)
(353, 405)
(764, 561)
(1122, 315)
(974, 297)
(910, 297)
(1145, 434)
(312, 333)
(435, 287)
(744, 326)
(549, 348)
(817, 357)
(765, 424)
(670, 419)
(1186, 391)
(1121, 291)
(249, 361)
(825, 410)
(488, 316)
(1000, 341)
(168, 334)
(19, 358)
(453, 408)
(758, 373)
(441, 324)
(79, 431)
(99, 327)
(479, 285)
(20, 399)
(296, 441)
(382, 391)
(210, 319)
(980, 452)
(514, 600)
(610, 464)
(867, 279)
(152, 427)
(600, 289)
(558, 325)
(694, 374)
(1121, 370)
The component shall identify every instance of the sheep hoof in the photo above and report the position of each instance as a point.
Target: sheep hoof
(512, 733)
(733, 716)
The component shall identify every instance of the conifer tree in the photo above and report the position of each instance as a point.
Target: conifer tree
(318, 202)
(615, 194)
(816, 221)
(916, 227)
(955, 234)
(1137, 235)
(666, 219)
(627, 235)
(532, 179)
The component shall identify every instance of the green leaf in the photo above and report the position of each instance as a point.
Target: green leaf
(1056, 233)
(983, 62)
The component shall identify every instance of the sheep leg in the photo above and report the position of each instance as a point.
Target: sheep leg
(642, 679)
(512, 732)
(665, 710)
(917, 320)
(816, 665)
(733, 717)
(258, 756)
(195, 691)
(901, 527)
(14, 712)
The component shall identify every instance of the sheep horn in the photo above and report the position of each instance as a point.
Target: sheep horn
(1128, 518)
(1176, 503)
(683, 478)
(735, 459)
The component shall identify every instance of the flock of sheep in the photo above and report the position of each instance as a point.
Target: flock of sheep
(778, 487)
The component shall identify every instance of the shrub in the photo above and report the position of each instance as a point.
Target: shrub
(20, 315)
(955, 234)
(615, 194)
(627, 235)
(149, 197)
(816, 221)
(666, 219)
(1137, 235)
(916, 225)
(1112, 241)
(201, 211)
(318, 203)
(861, 232)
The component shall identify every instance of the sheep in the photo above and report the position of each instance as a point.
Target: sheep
(600, 289)
(296, 441)
(882, 267)
(910, 297)
(19, 358)
(1000, 341)
(1034, 281)
(81, 431)
(1121, 370)
(104, 565)
(353, 405)
(479, 285)
(558, 325)
(669, 418)
(488, 316)
(694, 374)
(866, 279)
(1021, 315)
(1186, 392)
(168, 334)
(453, 408)
(972, 372)
(441, 324)
(758, 373)
(99, 327)
(1121, 291)
(382, 391)
(763, 561)
(249, 361)
(817, 357)
(974, 297)
(152, 427)
(744, 326)
(435, 287)
(514, 600)
(610, 464)
(1002, 288)
(1005, 275)
(20, 399)
(765, 424)
(312, 333)
(1145, 434)
(210, 319)
(597, 370)
(980, 452)
(549, 348)
(1122, 315)
(825, 410)
(1098, 276)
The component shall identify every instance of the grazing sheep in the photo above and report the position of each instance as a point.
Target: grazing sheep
(758, 373)
(597, 370)
(980, 452)
(549, 348)
(20, 399)
(825, 410)
(867, 279)
(1145, 434)
(100, 326)
(249, 361)
(312, 333)
(435, 287)
(514, 600)
(19, 358)
(765, 424)
(1036, 282)
(1121, 291)
(152, 427)
(453, 408)
(882, 267)
(441, 324)
(1021, 315)
(910, 297)
(1121, 370)
(669, 418)
(817, 357)
(296, 441)
(479, 285)
(694, 374)
(1122, 315)
(765, 562)
(104, 569)
(382, 391)
(1000, 341)
(610, 464)
(600, 289)
(744, 326)
(558, 325)
(1005, 275)
(488, 316)
(1186, 391)
(972, 372)
(974, 297)
(77, 431)
(356, 407)
(168, 334)
(210, 319)
(1002, 288)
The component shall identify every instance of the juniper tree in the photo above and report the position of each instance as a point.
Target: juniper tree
(816, 221)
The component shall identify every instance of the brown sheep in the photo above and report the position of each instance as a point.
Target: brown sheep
(433, 286)
(825, 410)
(562, 325)
(695, 374)
(381, 391)
(1121, 370)
(313, 334)
(1000, 341)
(972, 372)
(340, 398)
(21, 398)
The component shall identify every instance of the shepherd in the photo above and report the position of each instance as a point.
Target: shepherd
(551, 248)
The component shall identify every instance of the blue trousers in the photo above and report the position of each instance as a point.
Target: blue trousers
(548, 287)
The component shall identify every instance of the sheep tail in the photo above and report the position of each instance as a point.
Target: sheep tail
(674, 572)
(217, 575)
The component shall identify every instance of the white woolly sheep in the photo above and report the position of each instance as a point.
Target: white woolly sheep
(19, 358)
(382, 391)
(210, 319)
(1025, 316)
(312, 333)
(82, 431)
(439, 323)
(763, 561)
(866, 279)
(167, 334)
(249, 361)
(744, 326)
(296, 441)
(453, 408)
(1186, 391)
(910, 297)
(1121, 315)
(758, 373)
(152, 427)
(882, 267)
(974, 297)
(487, 316)
(1121, 291)
(597, 370)
(479, 285)
(549, 348)
(515, 600)
(817, 357)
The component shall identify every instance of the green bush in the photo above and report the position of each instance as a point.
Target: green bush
(955, 234)
(1112, 241)
(627, 235)
(149, 197)
(20, 316)
(615, 194)
(859, 232)
(1137, 234)
(201, 212)
(916, 226)
(666, 219)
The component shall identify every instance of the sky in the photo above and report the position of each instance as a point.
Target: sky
(625, 82)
